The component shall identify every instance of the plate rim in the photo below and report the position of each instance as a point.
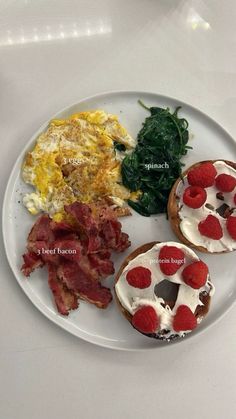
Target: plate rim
(37, 304)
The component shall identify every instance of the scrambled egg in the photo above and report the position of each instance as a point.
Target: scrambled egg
(75, 159)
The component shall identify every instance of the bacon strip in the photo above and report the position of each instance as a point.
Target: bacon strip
(65, 299)
(31, 262)
(87, 225)
(104, 267)
(41, 230)
(76, 280)
(112, 236)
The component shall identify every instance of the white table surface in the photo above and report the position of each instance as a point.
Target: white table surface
(53, 53)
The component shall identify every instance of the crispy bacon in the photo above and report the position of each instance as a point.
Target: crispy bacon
(31, 262)
(123, 242)
(76, 280)
(69, 249)
(99, 296)
(112, 236)
(65, 299)
(45, 250)
(61, 227)
(63, 231)
(36, 246)
(103, 266)
(77, 256)
(104, 254)
(82, 214)
(41, 230)
(87, 225)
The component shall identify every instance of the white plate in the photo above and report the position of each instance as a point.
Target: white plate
(108, 327)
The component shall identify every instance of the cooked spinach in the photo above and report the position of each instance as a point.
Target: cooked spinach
(155, 163)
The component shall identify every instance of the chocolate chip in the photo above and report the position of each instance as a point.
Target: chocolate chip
(228, 212)
(209, 206)
(220, 196)
(224, 211)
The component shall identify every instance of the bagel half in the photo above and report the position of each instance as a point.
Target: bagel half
(173, 208)
(200, 311)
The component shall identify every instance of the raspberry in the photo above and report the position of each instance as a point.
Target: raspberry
(231, 226)
(194, 196)
(170, 259)
(184, 319)
(139, 277)
(235, 199)
(195, 274)
(225, 183)
(210, 227)
(146, 320)
(203, 175)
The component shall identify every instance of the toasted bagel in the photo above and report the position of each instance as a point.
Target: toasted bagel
(173, 208)
(199, 313)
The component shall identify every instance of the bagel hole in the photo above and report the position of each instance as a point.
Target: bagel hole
(168, 291)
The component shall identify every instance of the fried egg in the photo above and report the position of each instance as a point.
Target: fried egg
(75, 159)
